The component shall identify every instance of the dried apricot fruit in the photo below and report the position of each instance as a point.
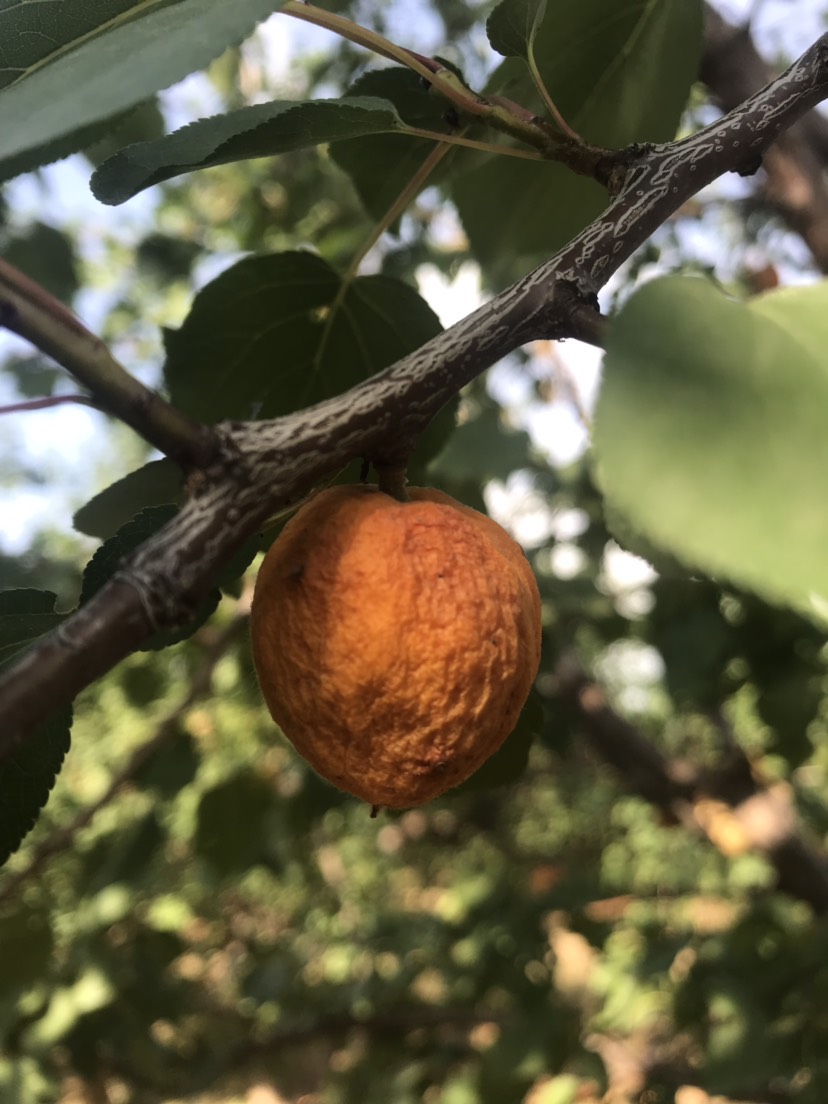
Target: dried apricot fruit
(395, 642)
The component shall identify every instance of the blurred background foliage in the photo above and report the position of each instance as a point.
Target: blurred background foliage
(628, 905)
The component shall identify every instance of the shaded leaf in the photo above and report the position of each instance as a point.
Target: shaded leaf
(710, 433)
(230, 832)
(47, 256)
(113, 551)
(124, 858)
(165, 258)
(143, 123)
(482, 449)
(57, 148)
(26, 939)
(111, 53)
(513, 25)
(34, 376)
(171, 767)
(27, 776)
(687, 626)
(619, 71)
(257, 342)
(25, 615)
(262, 130)
(157, 483)
(398, 158)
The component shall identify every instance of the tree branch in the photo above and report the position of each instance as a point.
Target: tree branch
(261, 467)
(728, 805)
(794, 180)
(29, 310)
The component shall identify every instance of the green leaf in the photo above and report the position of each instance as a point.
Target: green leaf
(27, 776)
(26, 939)
(710, 433)
(259, 131)
(619, 71)
(111, 554)
(47, 256)
(513, 25)
(171, 767)
(142, 123)
(482, 449)
(258, 343)
(111, 54)
(158, 483)
(33, 375)
(164, 258)
(397, 157)
(124, 857)
(230, 831)
(24, 616)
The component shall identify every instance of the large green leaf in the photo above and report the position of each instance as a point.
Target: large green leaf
(66, 66)
(259, 341)
(27, 777)
(711, 433)
(262, 130)
(619, 71)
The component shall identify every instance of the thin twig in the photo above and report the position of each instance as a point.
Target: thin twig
(28, 310)
(47, 402)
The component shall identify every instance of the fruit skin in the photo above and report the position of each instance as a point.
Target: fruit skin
(395, 642)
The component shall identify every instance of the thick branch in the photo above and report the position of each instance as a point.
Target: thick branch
(29, 310)
(728, 805)
(263, 466)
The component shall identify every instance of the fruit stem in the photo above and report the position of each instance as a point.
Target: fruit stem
(392, 480)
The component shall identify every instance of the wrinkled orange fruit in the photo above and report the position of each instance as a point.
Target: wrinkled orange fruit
(395, 642)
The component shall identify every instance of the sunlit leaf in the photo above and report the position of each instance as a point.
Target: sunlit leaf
(111, 54)
(262, 130)
(710, 433)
